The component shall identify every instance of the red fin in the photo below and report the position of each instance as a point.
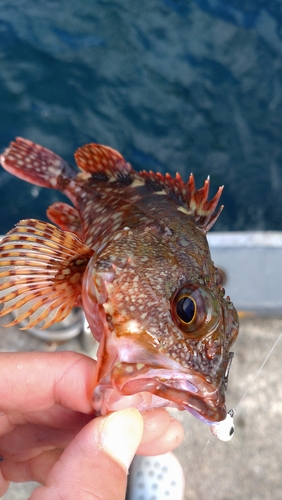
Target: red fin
(204, 209)
(66, 217)
(102, 161)
(36, 164)
(41, 270)
(194, 201)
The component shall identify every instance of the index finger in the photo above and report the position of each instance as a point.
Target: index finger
(35, 381)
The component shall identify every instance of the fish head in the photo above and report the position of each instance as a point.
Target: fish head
(154, 301)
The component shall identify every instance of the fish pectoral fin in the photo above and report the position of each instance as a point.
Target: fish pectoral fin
(66, 217)
(104, 162)
(41, 271)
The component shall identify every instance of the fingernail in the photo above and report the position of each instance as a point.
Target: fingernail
(121, 433)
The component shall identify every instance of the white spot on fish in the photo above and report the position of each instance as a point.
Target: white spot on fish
(184, 210)
(161, 192)
(137, 183)
(132, 326)
(183, 242)
(143, 315)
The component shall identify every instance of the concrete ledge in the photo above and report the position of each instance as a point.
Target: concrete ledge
(252, 262)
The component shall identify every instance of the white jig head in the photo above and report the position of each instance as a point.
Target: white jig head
(224, 430)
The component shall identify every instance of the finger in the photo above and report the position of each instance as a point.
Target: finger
(27, 441)
(34, 469)
(4, 484)
(166, 442)
(161, 433)
(37, 381)
(105, 444)
(156, 424)
(38, 468)
(57, 417)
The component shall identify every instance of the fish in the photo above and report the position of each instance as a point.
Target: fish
(131, 250)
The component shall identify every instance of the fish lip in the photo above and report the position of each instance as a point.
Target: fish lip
(207, 413)
(205, 401)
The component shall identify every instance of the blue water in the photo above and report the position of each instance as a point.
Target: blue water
(173, 85)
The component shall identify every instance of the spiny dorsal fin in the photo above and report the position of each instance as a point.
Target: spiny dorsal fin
(66, 217)
(103, 162)
(41, 270)
(192, 201)
(36, 164)
(203, 210)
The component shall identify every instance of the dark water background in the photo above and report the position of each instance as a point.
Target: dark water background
(173, 85)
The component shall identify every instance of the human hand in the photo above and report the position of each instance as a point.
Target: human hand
(48, 434)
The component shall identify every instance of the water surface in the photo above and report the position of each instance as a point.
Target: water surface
(173, 85)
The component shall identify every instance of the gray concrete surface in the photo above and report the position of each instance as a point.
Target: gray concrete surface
(249, 466)
(250, 260)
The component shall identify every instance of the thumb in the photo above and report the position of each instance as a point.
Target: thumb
(95, 464)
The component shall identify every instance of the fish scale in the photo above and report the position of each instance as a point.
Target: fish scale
(132, 252)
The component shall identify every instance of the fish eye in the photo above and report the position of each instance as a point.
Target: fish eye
(195, 310)
(186, 309)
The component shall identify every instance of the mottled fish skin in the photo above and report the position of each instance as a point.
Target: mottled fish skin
(136, 243)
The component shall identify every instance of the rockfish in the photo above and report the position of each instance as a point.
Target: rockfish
(132, 252)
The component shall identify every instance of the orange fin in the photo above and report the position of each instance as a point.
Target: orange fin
(66, 217)
(41, 270)
(193, 201)
(103, 162)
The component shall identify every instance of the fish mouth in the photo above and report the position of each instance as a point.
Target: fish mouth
(185, 390)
